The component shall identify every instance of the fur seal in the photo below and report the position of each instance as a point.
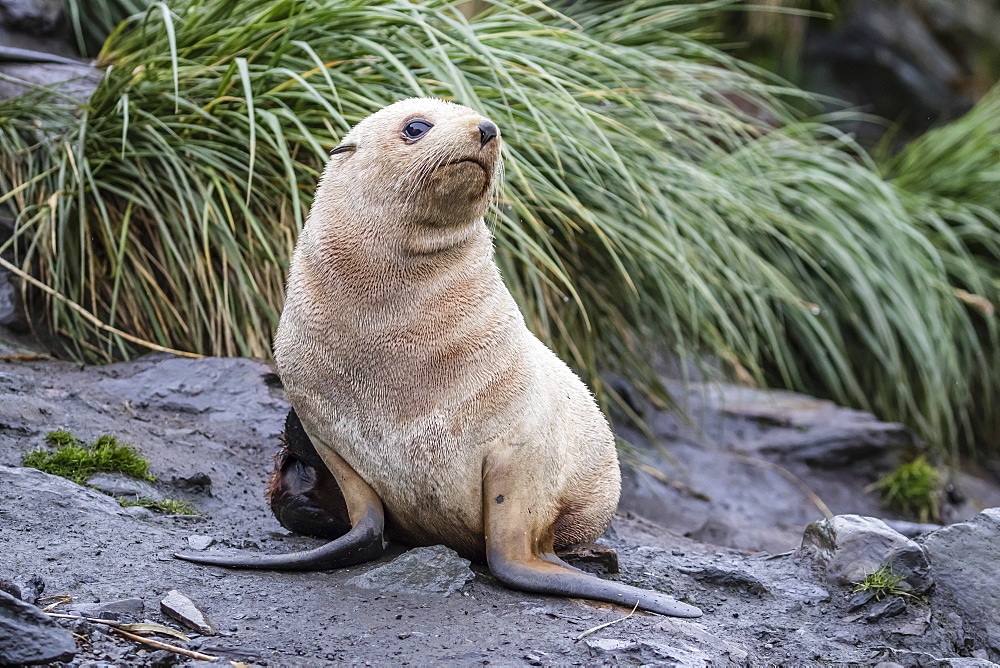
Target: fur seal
(429, 413)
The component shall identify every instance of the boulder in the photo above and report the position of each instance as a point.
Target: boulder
(965, 558)
(849, 547)
(29, 636)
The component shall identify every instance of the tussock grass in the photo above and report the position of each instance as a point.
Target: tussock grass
(660, 198)
(77, 462)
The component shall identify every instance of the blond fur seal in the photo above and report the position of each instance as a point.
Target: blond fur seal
(441, 418)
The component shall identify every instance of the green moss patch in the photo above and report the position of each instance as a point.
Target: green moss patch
(914, 488)
(168, 506)
(76, 461)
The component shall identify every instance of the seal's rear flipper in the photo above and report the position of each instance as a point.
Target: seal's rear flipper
(362, 543)
(365, 540)
(519, 553)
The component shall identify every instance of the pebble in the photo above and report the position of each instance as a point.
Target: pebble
(180, 607)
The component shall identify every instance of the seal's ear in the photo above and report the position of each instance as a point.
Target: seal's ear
(344, 148)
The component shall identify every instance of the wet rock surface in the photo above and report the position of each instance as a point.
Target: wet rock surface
(752, 469)
(429, 570)
(28, 636)
(209, 430)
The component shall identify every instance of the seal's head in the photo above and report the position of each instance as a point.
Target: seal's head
(419, 161)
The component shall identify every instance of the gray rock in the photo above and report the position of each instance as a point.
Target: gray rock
(74, 83)
(889, 607)
(732, 578)
(611, 645)
(36, 17)
(124, 486)
(180, 607)
(63, 501)
(11, 310)
(119, 610)
(430, 570)
(140, 513)
(965, 558)
(200, 542)
(29, 636)
(224, 389)
(850, 547)
(733, 474)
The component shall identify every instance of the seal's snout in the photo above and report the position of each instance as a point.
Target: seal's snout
(488, 131)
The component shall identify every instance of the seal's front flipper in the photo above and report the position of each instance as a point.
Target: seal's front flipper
(519, 553)
(364, 541)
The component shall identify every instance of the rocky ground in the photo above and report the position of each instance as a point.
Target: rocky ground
(209, 428)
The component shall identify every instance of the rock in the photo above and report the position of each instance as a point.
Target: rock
(734, 579)
(36, 17)
(423, 570)
(180, 607)
(29, 636)
(734, 472)
(9, 587)
(703, 648)
(140, 513)
(123, 609)
(64, 502)
(850, 547)
(890, 607)
(199, 542)
(965, 558)
(591, 557)
(74, 83)
(611, 645)
(197, 483)
(224, 389)
(123, 486)
(11, 311)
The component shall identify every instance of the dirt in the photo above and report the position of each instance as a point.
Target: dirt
(221, 418)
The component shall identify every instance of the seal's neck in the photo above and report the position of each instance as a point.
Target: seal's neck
(371, 267)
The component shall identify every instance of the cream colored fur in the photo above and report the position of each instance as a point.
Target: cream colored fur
(402, 350)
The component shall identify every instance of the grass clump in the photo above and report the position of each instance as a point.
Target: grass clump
(168, 506)
(77, 462)
(660, 198)
(883, 582)
(914, 489)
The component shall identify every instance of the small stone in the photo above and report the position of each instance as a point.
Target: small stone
(9, 587)
(727, 578)
(28, 635)
(180, 607)
(611, 645)
(200, 542)
(140, 513)
(122, 486)
(915, 628)
(196, 483)
(126, 608)
(436, 569)
(860, 599)
(887, 608)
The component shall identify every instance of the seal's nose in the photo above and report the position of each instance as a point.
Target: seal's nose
(487, 132)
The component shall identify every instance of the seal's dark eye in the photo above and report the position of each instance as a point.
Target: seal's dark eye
(416, 129)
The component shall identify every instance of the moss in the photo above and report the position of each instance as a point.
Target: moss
(882, 582)
(77, 462)
(914, 489)
(168, 506)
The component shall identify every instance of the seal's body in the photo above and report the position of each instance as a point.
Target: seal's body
(437, 414)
